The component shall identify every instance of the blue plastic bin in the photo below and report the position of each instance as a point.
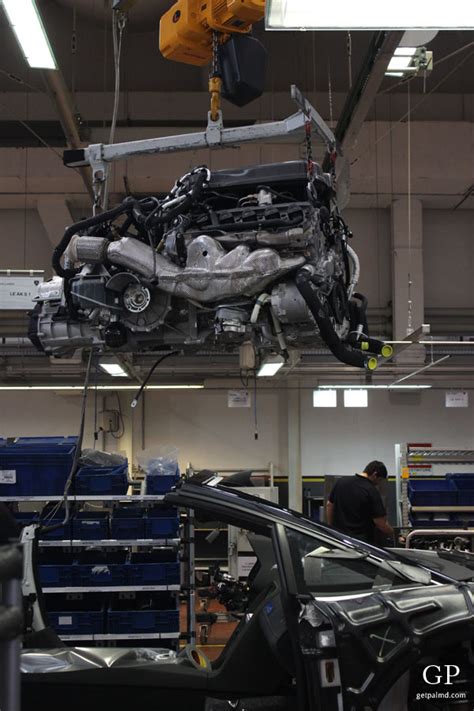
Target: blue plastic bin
(100, 569)
(441, 492)
(55, 569)
(80, 614)
(142, 571)
(465, 490)
(158, 526)
(91, 525)
(36, 466)
(102, 480)
(142, 621)
(128, 523)
(25, 518)
(157, 484)
(428, 522)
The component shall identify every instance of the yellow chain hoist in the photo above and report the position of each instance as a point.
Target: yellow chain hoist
(191, 31)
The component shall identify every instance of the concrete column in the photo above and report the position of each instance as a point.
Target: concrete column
(407, 271)
(295, 482)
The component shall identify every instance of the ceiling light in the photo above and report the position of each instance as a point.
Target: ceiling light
(75, 388)
(270, 366)
(368, 15)
(375, 387)
(402, 59)
(447, 343)
(26, 23)
(111, 367)
(356, 398)
(324, 398)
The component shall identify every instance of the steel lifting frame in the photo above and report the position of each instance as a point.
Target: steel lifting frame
(99, 155)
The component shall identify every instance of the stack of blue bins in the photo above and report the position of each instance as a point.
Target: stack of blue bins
(434, 492)
(36, 466)
(39, 467)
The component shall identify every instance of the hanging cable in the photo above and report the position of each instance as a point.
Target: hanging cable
(410, 302)
(137, 397)
(77, 455)
(119, 21)
(349, 58)
(255, 410)
(330, 93)
(121, 431)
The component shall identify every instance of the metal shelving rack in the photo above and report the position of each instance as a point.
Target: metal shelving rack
(407, 458)
(109, 543)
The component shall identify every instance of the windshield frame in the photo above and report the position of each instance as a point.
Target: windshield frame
(237, 508)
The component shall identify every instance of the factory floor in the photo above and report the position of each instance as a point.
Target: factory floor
(218, 633)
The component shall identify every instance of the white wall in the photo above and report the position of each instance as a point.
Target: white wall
(343, 440)
(209, 434)
(23, 241)
(199, 423)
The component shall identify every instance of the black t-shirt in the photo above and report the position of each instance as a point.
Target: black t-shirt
(356, 503)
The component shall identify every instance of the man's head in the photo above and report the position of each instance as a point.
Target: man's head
(376, 471)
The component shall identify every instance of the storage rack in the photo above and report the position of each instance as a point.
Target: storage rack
(408, 458)
(71, 544)
(11, 626)
(34, 470)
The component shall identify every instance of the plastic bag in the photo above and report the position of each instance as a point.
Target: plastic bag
(97, 458)
(160, 460)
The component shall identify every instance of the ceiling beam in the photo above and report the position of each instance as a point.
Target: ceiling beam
(364, 90)
(61, 98)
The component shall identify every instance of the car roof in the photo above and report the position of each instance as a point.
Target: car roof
(234, 503)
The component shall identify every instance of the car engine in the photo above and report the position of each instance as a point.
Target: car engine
(256, 257)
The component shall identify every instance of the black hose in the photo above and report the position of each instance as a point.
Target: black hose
(75, 463)
(326, 329)
(135, 400)
(80, 227)
(370, 345)
(168, 215)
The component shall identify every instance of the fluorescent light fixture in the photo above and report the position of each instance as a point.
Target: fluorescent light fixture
(26, 23)
(111, 367)
(325, 398)
(21, 388)
(447, 343)
(368, 15)
(270, 366)
(394, 74)
(375, 387)
(402, 59)
(356, 398)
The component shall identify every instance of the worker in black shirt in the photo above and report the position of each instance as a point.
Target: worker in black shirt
(355, 506)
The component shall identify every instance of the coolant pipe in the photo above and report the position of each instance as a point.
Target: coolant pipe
(326, 329)
(261, 301)
(371, 345)
(356, 273)
(279, 334)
